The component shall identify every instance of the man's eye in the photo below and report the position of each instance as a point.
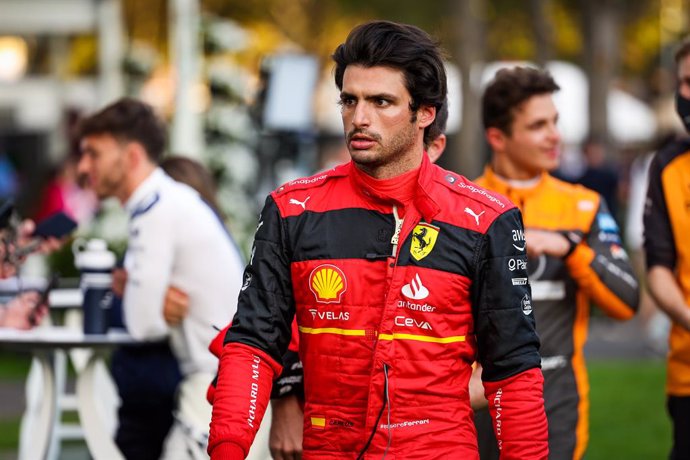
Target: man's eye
(382, 102)
(346, 102)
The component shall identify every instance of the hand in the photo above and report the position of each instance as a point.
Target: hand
(176, 306)
(545, 242)
(42, 245)
(119, 282)
(287, 424)
(7, 269)
(19, 312)
(14, 251)
(477, 398)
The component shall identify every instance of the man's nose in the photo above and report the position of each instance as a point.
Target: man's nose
(684, 90)
(82, 165)
(361, 116)
(555, 133)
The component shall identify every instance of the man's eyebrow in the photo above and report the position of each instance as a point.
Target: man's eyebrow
(387, 96)
(539, 121)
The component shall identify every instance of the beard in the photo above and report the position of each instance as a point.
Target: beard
(112, 182)
(385, 151)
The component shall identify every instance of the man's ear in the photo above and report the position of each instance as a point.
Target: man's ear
(436, 148)
(426, 114)
(496, 139)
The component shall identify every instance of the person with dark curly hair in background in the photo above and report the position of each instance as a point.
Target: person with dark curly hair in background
(574, 248)
(175, 239)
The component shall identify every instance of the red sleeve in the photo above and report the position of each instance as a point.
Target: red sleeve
(245, 377)
(517, 409)
(216, 345)
(52, 201)
(294, 341)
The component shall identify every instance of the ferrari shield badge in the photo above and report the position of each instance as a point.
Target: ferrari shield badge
(423, 240)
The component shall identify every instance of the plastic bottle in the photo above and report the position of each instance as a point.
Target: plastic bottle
(95, 262)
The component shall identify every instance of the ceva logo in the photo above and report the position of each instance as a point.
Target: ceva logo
(411, 322)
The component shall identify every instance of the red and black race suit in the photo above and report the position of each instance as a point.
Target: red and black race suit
(392, 313)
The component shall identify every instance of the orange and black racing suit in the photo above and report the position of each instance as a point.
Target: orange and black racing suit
(392, 312)
(666, 243)
(596, 269)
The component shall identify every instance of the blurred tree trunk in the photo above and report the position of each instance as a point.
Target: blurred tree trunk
(541, 28)
(601, 30)
(469, 45)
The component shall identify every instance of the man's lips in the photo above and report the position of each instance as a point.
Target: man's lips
(552, 153)
(359, 142)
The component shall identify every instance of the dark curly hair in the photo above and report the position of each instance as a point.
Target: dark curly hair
(403, 47)
(509, 89)
(128, 120)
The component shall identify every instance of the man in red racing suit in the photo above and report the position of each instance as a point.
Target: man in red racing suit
(400, 275)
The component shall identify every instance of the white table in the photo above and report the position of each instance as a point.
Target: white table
(45, 343)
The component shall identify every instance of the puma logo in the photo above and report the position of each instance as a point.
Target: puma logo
(473, 214)
(300, 203)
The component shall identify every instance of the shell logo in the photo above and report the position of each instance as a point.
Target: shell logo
(328, 283)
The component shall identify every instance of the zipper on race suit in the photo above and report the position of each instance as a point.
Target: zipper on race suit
(395, 240)
(396, 234)
(386, 405)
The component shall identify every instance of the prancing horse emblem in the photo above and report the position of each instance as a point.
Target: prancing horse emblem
(423, 240)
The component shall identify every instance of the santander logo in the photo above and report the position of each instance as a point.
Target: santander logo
(415, 289)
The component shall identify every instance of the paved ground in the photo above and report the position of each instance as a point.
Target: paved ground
(12, 397)
(609, 339)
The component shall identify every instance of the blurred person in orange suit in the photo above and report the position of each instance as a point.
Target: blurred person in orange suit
(574, 248)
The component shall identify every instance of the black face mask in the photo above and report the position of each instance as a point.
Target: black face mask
(683, 109)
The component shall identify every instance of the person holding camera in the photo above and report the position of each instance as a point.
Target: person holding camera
(18, 241)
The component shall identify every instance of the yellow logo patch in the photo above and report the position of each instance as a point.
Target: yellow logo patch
(423, 240)
(318, 422)
(328, 283)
